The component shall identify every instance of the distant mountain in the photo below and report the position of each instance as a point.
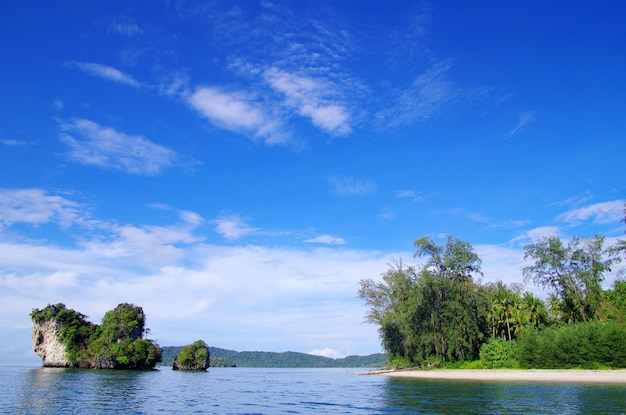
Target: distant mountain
(229, 358)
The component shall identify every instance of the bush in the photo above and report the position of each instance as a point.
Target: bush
(193, 356)
(588, 345)
(499, 353)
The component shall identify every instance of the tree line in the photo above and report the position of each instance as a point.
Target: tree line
(231, 358)
(441, 314)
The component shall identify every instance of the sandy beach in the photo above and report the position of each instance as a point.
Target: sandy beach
(502, 375)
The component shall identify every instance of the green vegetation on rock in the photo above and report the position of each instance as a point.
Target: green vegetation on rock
(195, 356)
(117, 343)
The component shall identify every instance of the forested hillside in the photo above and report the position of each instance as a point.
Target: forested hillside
(228, 358)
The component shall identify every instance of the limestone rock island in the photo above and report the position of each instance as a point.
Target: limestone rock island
(63, 337)
(195, 356)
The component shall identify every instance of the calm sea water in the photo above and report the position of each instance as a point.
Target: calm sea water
(286, 391)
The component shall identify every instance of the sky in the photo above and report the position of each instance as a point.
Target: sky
(237, 167)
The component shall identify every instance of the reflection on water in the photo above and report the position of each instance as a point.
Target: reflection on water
(286, 391)
(462, 397)
(58, 390)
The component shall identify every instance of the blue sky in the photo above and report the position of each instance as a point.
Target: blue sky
(237, 167)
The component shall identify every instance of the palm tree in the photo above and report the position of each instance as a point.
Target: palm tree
(535, 309)
(554, 302)
(503, 306)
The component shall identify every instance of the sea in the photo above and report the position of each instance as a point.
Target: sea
(38, 390)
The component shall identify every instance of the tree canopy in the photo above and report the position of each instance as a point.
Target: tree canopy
(574, 271)
(439, 312)
(434, 313)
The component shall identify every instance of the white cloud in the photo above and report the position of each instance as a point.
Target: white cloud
(242, 297)
(12, 143)
(536, 234)
(124, 27)
(92, 144)
(493, 224)
(501, 263)
(313, 99)
(524, 119)
(344, 185)
(233, 227)
(326, 239)
(327, 352)
(106, 72)
(36, 207)
(405, 193)
(428, 95)
(149, 246)
(236, 112)
(600, 213)
(191, 218)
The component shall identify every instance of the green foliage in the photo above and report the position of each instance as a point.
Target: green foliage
(613, 306)
(399, 362)
(498, 353)
(574, 271)
(438, 316)
(124, 321)
(195, 356)
(133, 354)
(468, 365)
(221, 362)
(588, 345)
(434, 315)
(117, 343)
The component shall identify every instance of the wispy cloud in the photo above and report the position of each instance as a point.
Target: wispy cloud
(36, 207)
(495, 224)
(327, 352)
(148, 246)
(577, 200)
(327, 240)
(349, 186)
(405, 194)
(124, 26)
(233, 227)
(430, 93)
(237, 112)
(601, 213)
(413, 195)
(105, 72)
(524, 119)
(535, 234)
(12, 143)
(312, 98)
(92, 144)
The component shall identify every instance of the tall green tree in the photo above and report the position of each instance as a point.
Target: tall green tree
(436, 313)
(573, 270)
(535, 310)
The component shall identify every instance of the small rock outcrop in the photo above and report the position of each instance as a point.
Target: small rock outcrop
(47, 345)
(195, 356)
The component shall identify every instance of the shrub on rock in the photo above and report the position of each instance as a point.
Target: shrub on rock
(195, 356)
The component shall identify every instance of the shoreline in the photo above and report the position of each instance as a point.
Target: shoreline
(617, 376)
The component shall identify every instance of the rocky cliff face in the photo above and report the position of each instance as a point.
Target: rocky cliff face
(196, 366)
(47, 345)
